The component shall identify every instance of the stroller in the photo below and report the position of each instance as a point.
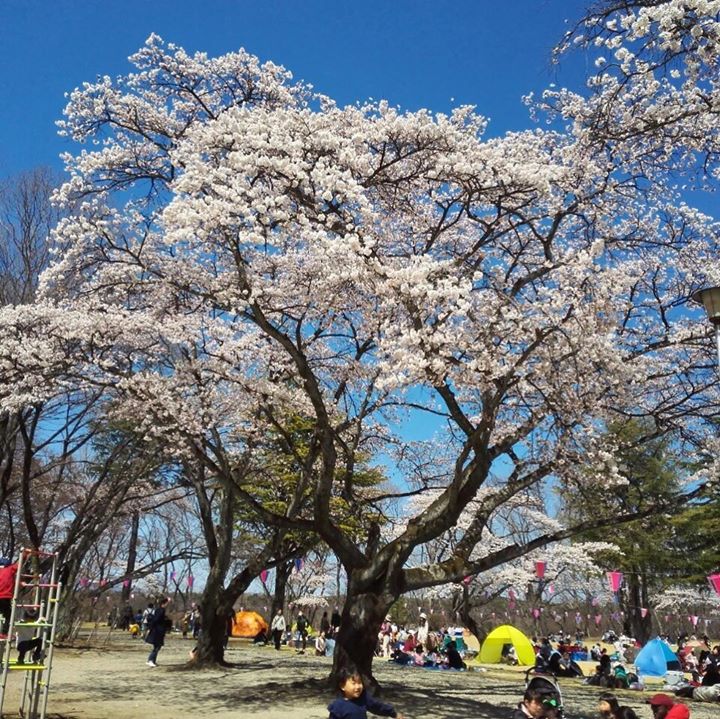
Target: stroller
(547, 685)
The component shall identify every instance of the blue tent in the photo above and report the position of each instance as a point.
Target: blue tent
(656, 658)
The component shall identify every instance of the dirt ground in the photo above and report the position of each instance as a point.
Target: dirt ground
(96, 682)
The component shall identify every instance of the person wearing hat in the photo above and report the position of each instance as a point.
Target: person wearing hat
(660, 705)
(8, 572)
(422, 630)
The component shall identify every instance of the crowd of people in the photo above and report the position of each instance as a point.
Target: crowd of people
(420, 647)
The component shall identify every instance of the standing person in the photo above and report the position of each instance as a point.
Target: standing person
(196, 621)
(126, 618)
(8, 572)
(355, 702)
(185, 624)
(278, 628)
(147, 613)
(159, 624)
(335, 620)
(324, 623)
(422, 630)
(301, 625)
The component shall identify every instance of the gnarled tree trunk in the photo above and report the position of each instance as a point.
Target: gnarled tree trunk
(357, 638)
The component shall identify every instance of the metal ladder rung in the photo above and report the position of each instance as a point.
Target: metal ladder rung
(44, 589)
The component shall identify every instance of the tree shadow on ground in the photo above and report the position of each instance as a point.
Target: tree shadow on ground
(447, 699)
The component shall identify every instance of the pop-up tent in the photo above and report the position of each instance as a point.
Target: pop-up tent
(656, 658)
(248, 624)
(491, 650)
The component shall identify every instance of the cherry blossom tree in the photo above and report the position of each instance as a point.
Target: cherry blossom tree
(245, 252)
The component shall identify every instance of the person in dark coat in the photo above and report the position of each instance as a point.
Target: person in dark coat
(355, 702)
(454, 659)
(335, 620)
(325, 624)
(158, 624)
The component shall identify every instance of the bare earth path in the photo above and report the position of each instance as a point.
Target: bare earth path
(115, 683)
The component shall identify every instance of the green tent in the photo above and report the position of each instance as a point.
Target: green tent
(491, 651)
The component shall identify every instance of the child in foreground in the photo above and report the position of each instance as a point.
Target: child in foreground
(355, 702)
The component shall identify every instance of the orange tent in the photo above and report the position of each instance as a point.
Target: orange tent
(248, 624)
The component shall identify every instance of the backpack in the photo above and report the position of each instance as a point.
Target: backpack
(301, 624)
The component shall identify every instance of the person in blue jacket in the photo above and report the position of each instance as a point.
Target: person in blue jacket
(355, 701)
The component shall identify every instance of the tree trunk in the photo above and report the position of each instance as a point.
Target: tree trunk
(282, 574)
(635, 625)
(462, 607)
(357, 638)
(132, 557)
(215, 607)
(216, 602)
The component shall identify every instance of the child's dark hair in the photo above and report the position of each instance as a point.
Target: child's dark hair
(532, 694)
(611, 699)
(346, 673)
(627, 713)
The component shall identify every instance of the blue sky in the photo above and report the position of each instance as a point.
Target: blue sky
(414, 53)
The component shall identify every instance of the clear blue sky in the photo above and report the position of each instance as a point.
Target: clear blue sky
(414, 53)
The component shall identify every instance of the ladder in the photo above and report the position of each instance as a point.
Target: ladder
(34, 606)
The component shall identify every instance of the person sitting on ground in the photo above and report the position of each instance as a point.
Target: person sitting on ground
(400, 657)
(598, 679)
(432, 659)
(454, 660)
(714, 656)
(508, 654)
(355, 701)
(563, 666)
(711, 676)
(620, 677)
(418, 656)
(545, 649)
(409, 643)
(320, 645)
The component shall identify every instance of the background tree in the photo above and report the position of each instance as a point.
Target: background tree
(657, 551)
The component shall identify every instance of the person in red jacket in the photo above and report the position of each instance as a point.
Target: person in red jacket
(7, 589)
